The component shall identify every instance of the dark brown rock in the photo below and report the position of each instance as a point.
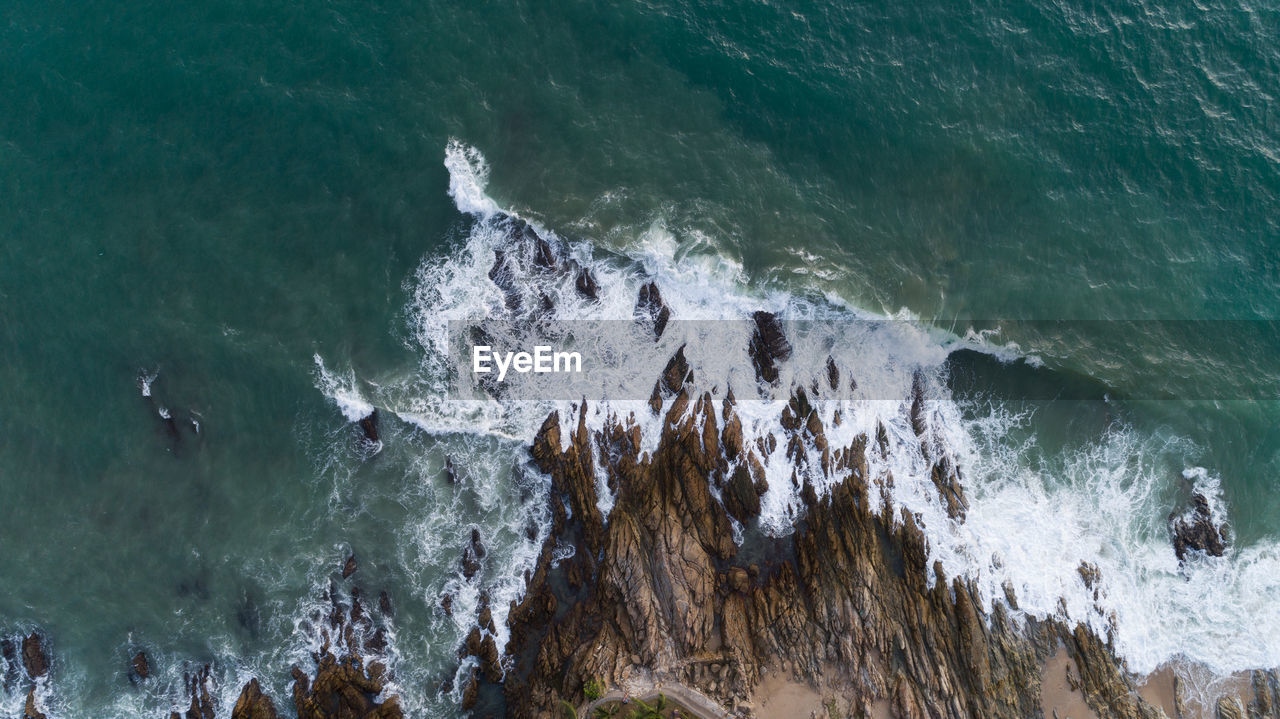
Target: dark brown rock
(349, 567)
(586, 285)
(139, 667)
(9, 651)
(651, 309)
(342, 686)
(30, 710)
(918, 422)
(369, 425)
(768, 346)
(197, 686)
(471, 555)
(543, 256)
(675, 374)
(1197, 530)
(34, 657)
(665, 594)
(253, 704)
(740, 497)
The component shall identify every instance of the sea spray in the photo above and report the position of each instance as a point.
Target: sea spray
(1034, 516)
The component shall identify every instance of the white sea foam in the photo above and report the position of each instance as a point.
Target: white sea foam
(145, 380)
(1033, 517)
(343, 390)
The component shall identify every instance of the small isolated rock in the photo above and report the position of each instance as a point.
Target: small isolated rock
(768, 346)
(33, 655)
(1197, 530)
(369, 425)
(139, 667)
(586, 284)
(738, 580)
(651, 309)
(350, 567)
(1089, 573)
(471, 555)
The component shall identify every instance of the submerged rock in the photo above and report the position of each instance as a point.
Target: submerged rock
(201, 701)
(502, 276)
(9, 652)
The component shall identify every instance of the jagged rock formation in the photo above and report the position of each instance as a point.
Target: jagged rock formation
(660, 591)
(253, 704)
(768, 346)
(201, 700)
(34, 657)
(651, 309)
(343, 687)
(1197, 530)
(26, 660)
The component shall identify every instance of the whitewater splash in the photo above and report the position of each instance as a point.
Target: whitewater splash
(1035, 517)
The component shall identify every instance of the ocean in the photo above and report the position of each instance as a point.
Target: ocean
(256, 218)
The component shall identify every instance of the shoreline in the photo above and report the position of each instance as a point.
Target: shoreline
(846, 613)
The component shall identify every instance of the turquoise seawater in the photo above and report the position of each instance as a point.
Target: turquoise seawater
(216, 194)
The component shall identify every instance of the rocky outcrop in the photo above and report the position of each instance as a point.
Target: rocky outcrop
(341, 687)
(34, 658)
(253, 704)
(585, 283)
(472, 554)
(1197, 530)
(31, 710)
(651, 309)
(201, 703)
(139, 668)
(660, 593)
(768, 346)
(369, 426)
